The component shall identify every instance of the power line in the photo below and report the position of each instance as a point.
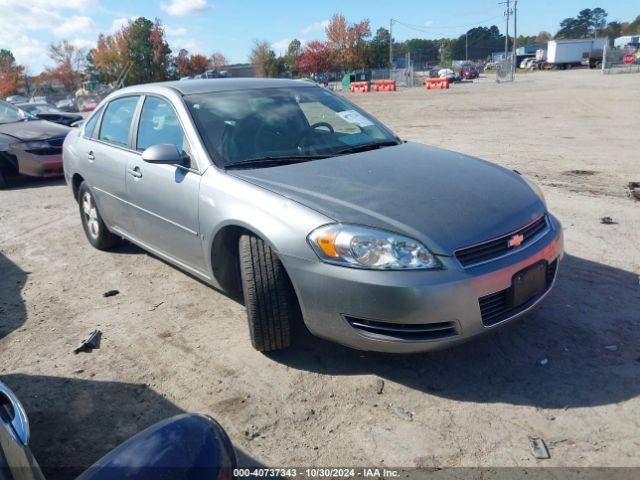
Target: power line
(445, 27)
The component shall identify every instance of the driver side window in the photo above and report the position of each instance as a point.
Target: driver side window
(159, 124)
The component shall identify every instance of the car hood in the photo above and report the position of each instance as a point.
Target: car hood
(445, 199)
(33, 130)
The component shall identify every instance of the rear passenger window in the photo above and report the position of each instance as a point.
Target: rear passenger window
(159, 124)
(116, 121)
(91, 124)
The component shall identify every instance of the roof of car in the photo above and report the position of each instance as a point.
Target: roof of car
(206, 85)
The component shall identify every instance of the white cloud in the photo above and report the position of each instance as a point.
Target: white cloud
(281, 46)
(175, 32)
(30, 52)
(118, 23)
(83, 43)
(28, 26)
(74, 25)
(315, 27)
(428, 23)
(190, 44)
(181, 8)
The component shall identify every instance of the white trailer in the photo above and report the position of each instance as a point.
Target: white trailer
(567, 53)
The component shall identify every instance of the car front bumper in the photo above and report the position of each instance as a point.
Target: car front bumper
(35, 165)
(383, 310)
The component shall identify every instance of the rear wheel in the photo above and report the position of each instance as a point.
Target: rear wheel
(94, 228)
(268, 295)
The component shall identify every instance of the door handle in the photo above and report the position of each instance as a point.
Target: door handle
(135, 172)
(90, 156)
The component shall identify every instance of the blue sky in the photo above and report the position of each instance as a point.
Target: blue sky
(203, 26)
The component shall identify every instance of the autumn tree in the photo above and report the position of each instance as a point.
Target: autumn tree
(349, 42)
(70, 62)
(218, 60)
(543, 37)
(110, 57)
(265, 60)
(189, 65)
(10, 73)
(315, 57)
(149, 51)
(139, 46)
(631, 28)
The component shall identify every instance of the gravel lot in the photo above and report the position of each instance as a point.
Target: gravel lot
(172, 344)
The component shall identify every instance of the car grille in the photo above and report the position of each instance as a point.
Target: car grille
(405, 331)
(46, 151)
(496, 307)
(493, 249)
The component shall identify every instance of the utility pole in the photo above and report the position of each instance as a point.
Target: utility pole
(466, 46)
(506, 36)
(391, 43)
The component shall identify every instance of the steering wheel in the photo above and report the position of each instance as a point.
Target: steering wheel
(322, 124)
(303, 137)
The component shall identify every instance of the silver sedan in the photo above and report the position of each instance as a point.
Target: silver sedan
(291, 197)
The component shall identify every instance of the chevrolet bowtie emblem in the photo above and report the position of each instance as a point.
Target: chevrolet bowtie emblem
(516, 240)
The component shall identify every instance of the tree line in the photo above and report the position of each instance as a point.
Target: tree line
(139, 52)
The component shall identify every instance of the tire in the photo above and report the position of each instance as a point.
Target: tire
(268, 295)
(3, 180)
(94, 228)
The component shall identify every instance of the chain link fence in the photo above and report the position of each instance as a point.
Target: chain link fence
(504, 69)
(620, 60)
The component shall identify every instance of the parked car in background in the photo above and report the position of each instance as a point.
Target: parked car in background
(528, 62)
(46, 111)
(184, 447)
(214, 74)
(17, 99)
(28, 146)
(446, 73)
(470, 73)
(67, 105)
(298, 200)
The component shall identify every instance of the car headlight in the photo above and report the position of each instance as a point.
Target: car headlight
(362, 247)
(30, 145)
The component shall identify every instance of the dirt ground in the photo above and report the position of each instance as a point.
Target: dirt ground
(172, 344)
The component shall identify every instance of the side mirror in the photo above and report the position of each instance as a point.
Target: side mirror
(12, 413)
(164, 153)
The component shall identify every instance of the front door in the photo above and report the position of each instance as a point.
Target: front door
(165, 197)
(106, 153)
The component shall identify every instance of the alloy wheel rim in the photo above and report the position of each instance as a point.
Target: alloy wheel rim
(90, 215)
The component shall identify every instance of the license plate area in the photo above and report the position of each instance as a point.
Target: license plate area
(528, 283)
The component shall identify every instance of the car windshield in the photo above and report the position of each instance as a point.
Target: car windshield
(11, 114)
(303, 123)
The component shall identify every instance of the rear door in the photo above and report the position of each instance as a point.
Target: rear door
(165, 197)
(106, 154)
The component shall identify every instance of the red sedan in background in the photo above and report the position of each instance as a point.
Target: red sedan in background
(470, 73)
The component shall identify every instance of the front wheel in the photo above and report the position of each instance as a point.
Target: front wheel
(94, 228)
(268, 295)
